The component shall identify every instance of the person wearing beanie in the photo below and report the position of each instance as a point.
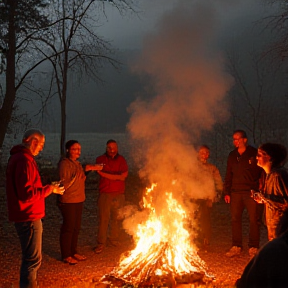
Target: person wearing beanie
(71, 203)
(274, 193)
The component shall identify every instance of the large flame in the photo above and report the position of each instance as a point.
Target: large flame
(163, 245)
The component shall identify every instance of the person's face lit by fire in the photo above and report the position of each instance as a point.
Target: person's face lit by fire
(203, 154)
(263, 159)
(74, 151)
(37, 144)
(238, 141)
(112, 149)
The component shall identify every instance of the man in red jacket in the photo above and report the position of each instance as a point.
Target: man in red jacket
(111, 188)
(26, 202)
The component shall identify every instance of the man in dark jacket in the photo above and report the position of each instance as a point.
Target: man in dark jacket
(26, 202)
(242, 176)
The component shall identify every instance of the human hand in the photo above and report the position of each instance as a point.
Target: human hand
(227, 199)
(257, 196)
(57, 189)
(94, 167)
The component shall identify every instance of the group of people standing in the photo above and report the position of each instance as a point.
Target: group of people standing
(26, 199)
(253, 177)
(113, 170)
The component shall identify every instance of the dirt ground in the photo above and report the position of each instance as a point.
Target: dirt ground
(54, 273)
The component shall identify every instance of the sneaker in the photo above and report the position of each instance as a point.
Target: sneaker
(252, 251)
(235, 250)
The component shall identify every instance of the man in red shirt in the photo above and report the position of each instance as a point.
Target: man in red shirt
(111, 198)
(26, 202)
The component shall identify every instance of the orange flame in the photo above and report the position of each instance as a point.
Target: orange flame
(163, 245)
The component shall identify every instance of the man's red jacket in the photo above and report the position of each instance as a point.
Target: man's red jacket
(24, 189)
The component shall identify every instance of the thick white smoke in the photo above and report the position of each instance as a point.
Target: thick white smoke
(189, 86)
(185, 96)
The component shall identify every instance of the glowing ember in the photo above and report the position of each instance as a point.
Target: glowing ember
(163, 246)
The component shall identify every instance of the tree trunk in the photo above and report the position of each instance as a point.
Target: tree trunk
(63, 125)
(63, 103)
(10, 95)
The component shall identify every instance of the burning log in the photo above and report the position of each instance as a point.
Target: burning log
(156, 270)
(164, 255)
(197, 279)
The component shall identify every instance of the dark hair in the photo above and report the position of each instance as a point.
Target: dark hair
(110, 141)
(242, 132)
(277, 152)
(70, 143)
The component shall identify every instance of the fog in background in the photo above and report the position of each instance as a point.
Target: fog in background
(102, 107)
(185, 96)
(188, 78)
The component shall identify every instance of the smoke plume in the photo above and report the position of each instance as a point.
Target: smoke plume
(185, 96)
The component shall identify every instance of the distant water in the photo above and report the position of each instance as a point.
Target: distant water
(92, 144)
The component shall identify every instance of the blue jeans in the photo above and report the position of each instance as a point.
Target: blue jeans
(30, 236)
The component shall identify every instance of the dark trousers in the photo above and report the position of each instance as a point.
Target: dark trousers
(108, 205)
(205, 220)
(30, 236)
(72, 215)
(238, 202)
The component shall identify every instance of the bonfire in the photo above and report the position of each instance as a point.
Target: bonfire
(164, 254)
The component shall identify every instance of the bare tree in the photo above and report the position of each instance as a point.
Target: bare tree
(278, 23)
(258, 96)
(69, 42)
(73, 47)
(19, 21)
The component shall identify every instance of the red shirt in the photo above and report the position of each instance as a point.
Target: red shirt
(24, 189)
(116, 166)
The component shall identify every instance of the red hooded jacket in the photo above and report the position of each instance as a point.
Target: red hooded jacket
(24, 189)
